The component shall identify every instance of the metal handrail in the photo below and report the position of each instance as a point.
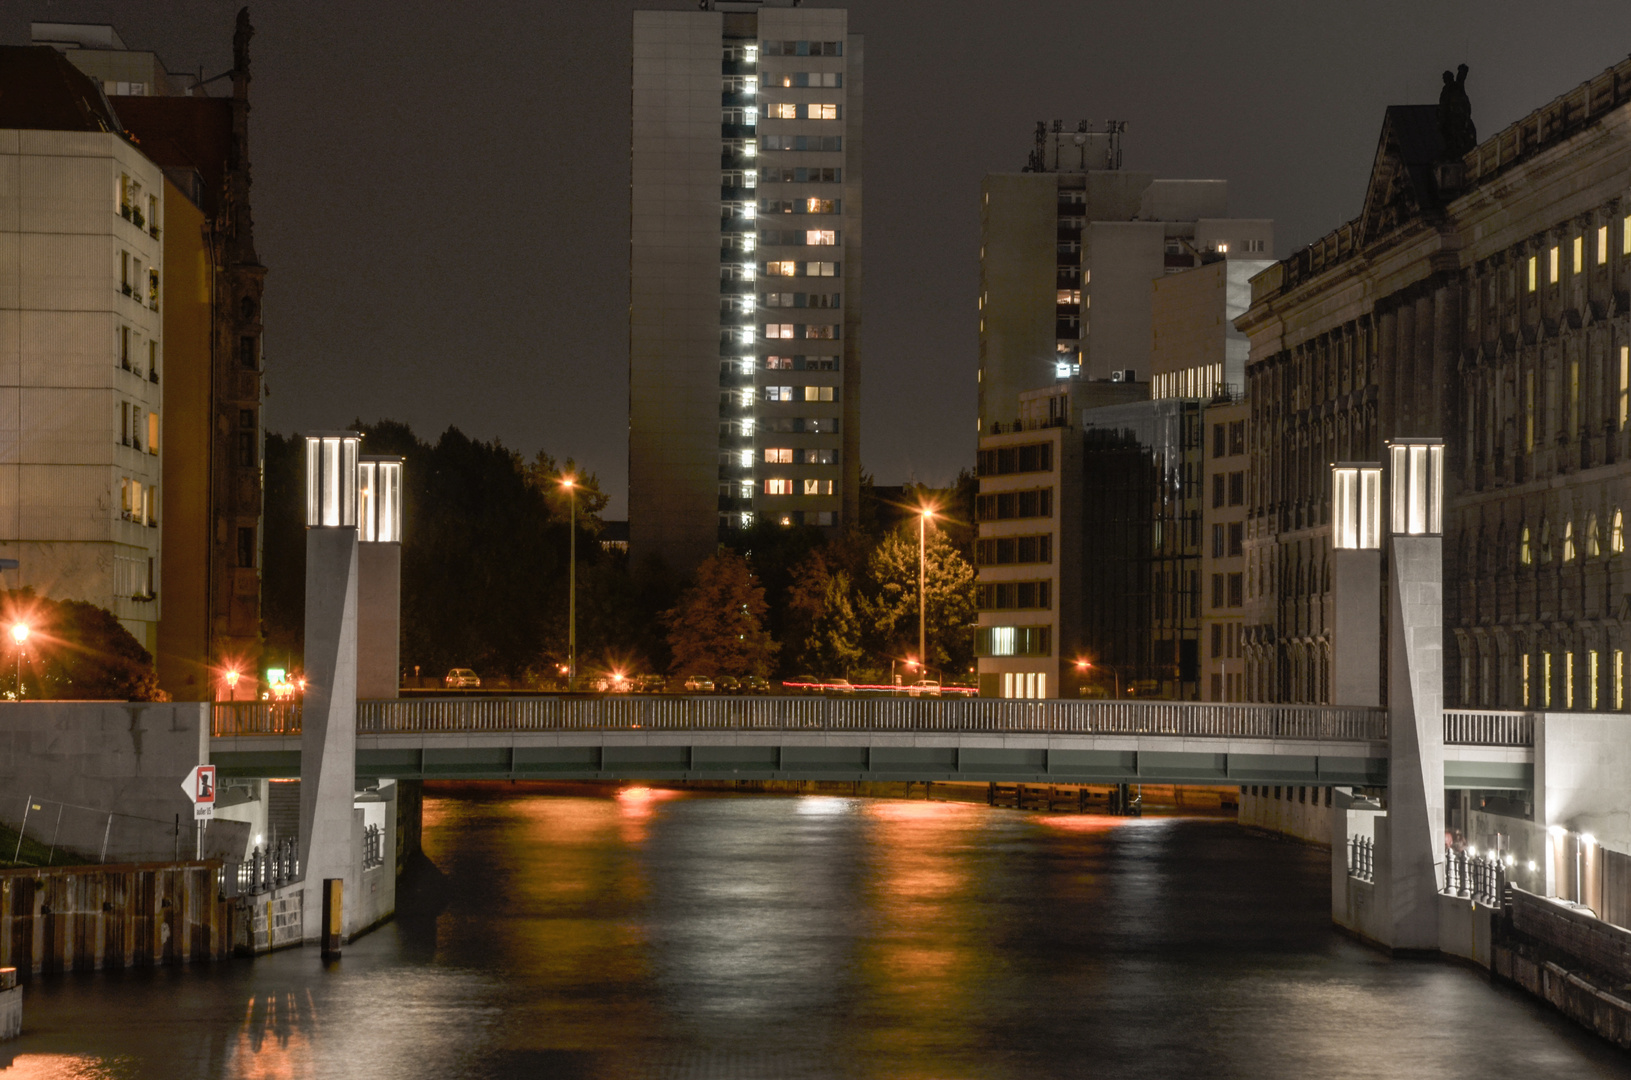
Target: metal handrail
(971, 716)
(1488, 727)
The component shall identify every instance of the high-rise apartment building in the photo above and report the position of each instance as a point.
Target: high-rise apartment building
(744, 273)
(208, 505)
(82, 352)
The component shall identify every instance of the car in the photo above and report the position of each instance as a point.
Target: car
(838, 686)
(802, 684)
(651, 684)
(755, 684)
(925, 688)
(461, 678)
(728, 684)
(698, 684)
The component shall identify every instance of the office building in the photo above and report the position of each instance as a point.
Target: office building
(1478, 297)
(745, 273)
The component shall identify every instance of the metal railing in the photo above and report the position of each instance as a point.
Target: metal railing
(373, 847)
(1488, 727)
(973, 716)
(1477, 877)
(1362, 858)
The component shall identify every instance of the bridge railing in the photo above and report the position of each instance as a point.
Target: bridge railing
(972, 716)
(1488, 727)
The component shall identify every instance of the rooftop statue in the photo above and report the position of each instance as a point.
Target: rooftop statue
(1455, 126)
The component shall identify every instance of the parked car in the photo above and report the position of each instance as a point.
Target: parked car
(461, 678)
(698, 684)
(802, 684)
(755, 684)
(651, 684)
(839, 686)
(925, 688)
(728, 684)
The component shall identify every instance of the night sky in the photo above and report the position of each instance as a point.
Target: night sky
(441, 195)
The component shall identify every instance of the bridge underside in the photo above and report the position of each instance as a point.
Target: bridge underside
(853, 757)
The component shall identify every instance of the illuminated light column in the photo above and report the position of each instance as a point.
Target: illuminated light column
(1415, 690)
(379, 577)
(1356, 584)
(328, 736)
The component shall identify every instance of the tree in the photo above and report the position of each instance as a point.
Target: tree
(889, 602)
(716, 627)
(76, 650)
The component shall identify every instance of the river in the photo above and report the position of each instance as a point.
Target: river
(661, 935)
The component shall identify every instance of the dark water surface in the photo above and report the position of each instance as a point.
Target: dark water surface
(566, 937)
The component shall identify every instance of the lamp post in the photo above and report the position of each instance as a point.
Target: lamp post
(1115, 673)
(571, 584)
(19, 634)
(924, 514)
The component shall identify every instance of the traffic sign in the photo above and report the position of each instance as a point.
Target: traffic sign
(200, 785)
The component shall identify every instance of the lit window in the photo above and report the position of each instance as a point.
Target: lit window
(823, 112)
(1525, 668)
(779, 486)
(818, 487)
(778, 455)
(747, 335)
(819, 206)
(778, 393)
(820, 236)
(1526, 554)
(778, 330)
(1223, 248)
(1625, 235)
(152, 433)
(1568, 541)
(1625, 385)
(1579, 260)
(1593, 548)
(782, 269)
(778, 363)
(1552, 264)
(1591, 679)
(1619, 679)
(1616, 535)
(1531, 273)
(1602, 244)
(1546, 676)
(820, 269)
(818, 393)
(782, 111)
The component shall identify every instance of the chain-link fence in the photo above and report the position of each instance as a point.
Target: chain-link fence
(36, 831)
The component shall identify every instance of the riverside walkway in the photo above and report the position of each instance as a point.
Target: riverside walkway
(853, 738)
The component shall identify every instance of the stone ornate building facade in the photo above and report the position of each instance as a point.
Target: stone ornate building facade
(1481, 298)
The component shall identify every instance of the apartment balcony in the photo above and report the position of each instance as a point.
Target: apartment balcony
(738, 67)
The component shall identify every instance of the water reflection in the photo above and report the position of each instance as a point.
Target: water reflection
(640, 933)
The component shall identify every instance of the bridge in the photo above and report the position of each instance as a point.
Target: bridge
(866, 738)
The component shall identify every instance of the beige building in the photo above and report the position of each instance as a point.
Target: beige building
(745, 271)
(1223, 550)
(81, 344)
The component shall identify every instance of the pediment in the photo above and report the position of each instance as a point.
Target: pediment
(1402, 188)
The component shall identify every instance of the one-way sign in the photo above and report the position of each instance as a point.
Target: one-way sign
(200, 788)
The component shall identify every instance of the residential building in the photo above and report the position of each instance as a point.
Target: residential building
(212, 358)
(1479, 297)
(745, 272)
(83, 353)
(1223, 550)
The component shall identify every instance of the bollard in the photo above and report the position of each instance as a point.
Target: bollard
(333, 923)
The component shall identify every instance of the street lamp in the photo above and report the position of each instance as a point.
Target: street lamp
(570, 484)
(1115, 672)
(19, 634)
(924, 514)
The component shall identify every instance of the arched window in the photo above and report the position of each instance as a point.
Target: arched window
(1526, 556)
(1568, 541)
(1593, 548)
(1616, 535)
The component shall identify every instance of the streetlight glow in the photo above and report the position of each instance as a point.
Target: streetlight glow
(19, 632)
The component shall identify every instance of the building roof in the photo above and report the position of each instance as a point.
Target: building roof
(185, 133)
(40, 90)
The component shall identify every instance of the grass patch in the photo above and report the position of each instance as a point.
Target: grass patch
(33, 853)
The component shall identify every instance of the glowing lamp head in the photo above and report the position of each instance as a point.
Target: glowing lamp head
(19, 632)
(332, 479)
(232, 679)
(568, 482)
(927, 512)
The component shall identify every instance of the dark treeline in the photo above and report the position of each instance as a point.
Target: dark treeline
(484, 575)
